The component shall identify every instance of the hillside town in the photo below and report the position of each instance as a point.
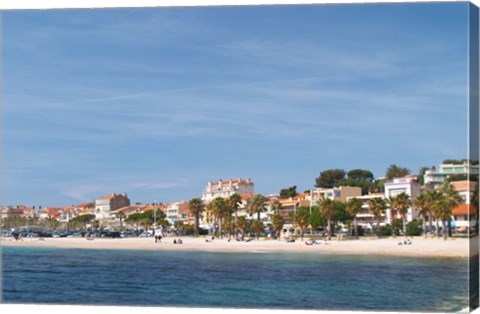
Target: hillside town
(233, 206)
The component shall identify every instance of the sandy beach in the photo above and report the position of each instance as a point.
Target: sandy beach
(420, 247)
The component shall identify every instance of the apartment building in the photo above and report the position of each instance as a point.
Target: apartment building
(225, 188)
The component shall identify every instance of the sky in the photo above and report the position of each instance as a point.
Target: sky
(157, 102)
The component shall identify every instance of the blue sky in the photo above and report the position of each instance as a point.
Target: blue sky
(156, 102)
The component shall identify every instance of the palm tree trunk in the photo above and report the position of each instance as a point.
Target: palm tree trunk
(404, 226)
(430, 221)
(437, 233)
(329, 234)
(220, 228)
(355, 227)
(197, 223)
(424, 226)
(445, 229)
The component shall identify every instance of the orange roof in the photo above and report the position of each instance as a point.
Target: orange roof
(303, 195)
(245, 197)
(464, 185)
(108, 197)
(464, 209)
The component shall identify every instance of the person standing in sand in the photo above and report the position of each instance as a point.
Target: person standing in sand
(158, 235)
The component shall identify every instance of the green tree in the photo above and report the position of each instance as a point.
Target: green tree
(354, 207)
(196, 208)
(316, 218)
(256, 204)
(179, 225)
(414, 228)
(329, 178)
(395, 171)
(328, 209)
(146, 223)
(401, 203)
(288, 192)
(83, 220)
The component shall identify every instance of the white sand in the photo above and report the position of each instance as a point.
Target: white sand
(419, 246)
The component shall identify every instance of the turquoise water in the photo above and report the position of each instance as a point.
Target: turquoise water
(234, 280)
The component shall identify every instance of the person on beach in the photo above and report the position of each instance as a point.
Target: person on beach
(158, 235)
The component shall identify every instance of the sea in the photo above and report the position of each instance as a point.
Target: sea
(233, 280)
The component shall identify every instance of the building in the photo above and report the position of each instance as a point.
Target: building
(433, 178)
(177, 211)
(226, 188)
(104, 206)
(464, 216)
(365, 218)
(340, 193)
(408, 185)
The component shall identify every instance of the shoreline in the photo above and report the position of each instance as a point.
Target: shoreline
(420, 247)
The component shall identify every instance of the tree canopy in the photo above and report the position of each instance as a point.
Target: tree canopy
(288, 192)
(329, 178)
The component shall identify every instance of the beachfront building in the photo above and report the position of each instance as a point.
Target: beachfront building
(177, 211)
(226, 188)
(433, 178)
(340, 194)
(105, 207)
(464, 216)
(11, 212)
(408, 185)
(365, 218)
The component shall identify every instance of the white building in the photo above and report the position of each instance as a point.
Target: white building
(177, 211)
(365, 218)
(435, 177)
(104, 206)
(408, 185)
(226, 188)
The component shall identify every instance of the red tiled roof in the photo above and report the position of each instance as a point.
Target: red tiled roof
(108, 197)
(299, 196)
(464, 209)
(246, 196)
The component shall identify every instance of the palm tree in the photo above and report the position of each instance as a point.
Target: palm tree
(233, 203)
(451, 200)
(401, 203)
(276, 205)
(256, 204)
(242, 224)
(421, 203)
(377, 207)
(196, 208)
(353, 207)
(395, 171)
(328, 209)
(257, 227)
(278, 222)
(220, 211)
(121, 216)
(432, 197)
(302, 218)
